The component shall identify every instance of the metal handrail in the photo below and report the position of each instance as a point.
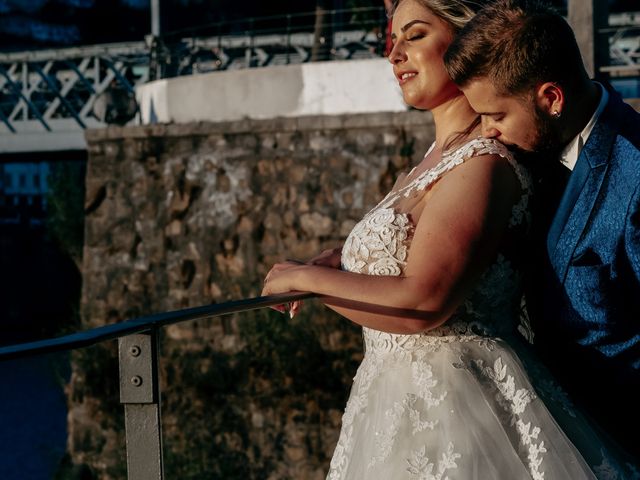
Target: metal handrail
(109, 332)
(138, 357)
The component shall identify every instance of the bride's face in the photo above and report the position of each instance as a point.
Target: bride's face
(420, 39)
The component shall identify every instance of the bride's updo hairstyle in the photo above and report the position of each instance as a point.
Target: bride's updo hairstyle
(455, 12)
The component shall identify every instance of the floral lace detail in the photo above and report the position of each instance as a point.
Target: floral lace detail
(376, 245)
(549, 389)
(493, 302)
(423, 379)
(421, 468)
(606, 471)
(513, 401)
(405, 346)
(524, 322)
(609, 469)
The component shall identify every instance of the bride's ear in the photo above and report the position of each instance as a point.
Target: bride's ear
(550, 98)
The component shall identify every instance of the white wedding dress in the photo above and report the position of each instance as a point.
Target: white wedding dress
(454, 402)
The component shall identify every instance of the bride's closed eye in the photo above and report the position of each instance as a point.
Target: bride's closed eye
(415, 36)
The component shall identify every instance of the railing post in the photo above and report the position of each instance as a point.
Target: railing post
(140, 395)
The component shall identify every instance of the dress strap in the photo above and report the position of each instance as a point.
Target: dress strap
(451, 159)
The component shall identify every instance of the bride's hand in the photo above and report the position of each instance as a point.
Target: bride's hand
(331, 258)
(280, 279)
(328, 258)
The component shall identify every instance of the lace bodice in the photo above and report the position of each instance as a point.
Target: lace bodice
(379, 245)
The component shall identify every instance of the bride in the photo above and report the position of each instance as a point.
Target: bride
(432, 275)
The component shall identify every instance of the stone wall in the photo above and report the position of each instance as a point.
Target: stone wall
(189, 214)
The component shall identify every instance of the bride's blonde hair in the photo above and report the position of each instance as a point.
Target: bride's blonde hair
(455, 12)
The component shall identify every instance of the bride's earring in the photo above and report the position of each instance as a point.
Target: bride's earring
(556, 114)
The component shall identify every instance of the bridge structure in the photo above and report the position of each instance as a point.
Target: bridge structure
(49, 97)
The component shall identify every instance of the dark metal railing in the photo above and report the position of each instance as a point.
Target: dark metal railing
(348, 18)
(138, 360)
(270, 40)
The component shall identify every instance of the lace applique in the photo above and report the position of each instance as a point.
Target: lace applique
(524, 323)
(378, 243)
(406, 347)
(634, 473)
(610, 469)
(554, 393)
(606, 470)
(422, 376)
(493, 300)
(514, 402)
(421, 468)
(549, 389)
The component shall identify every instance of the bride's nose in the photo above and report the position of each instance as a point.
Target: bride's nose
(397, 53)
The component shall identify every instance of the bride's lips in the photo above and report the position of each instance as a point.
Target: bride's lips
(404, 77)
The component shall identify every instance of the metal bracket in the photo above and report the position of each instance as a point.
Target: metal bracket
(140, 394)
(137, 378)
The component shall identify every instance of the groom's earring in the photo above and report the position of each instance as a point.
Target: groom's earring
(556, 114)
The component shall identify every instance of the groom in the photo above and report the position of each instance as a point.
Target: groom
(519, 65)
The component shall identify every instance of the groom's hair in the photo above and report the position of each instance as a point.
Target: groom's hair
(517, 44)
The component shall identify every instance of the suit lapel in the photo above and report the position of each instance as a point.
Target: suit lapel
(579, 198)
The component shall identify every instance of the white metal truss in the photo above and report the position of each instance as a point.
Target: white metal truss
(46, 96)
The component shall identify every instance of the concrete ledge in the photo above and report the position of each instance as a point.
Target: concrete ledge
(281, 124)
(318, 88)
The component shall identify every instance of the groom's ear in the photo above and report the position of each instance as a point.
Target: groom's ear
(549, 97)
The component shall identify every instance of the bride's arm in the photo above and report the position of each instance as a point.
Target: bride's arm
(456, 238)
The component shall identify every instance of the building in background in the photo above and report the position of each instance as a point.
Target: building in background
(23, 192)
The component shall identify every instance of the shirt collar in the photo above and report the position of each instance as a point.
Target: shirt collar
(571, 152)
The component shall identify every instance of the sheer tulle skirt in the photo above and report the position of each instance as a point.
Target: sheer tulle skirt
(460, 408)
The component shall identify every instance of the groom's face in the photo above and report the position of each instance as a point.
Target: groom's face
(513, 120)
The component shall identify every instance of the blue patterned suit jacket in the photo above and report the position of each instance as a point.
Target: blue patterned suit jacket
(589, 329)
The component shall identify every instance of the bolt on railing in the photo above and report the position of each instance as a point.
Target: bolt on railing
(138, 361)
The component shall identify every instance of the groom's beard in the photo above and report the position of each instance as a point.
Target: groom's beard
(547, 140)
(546, 144)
